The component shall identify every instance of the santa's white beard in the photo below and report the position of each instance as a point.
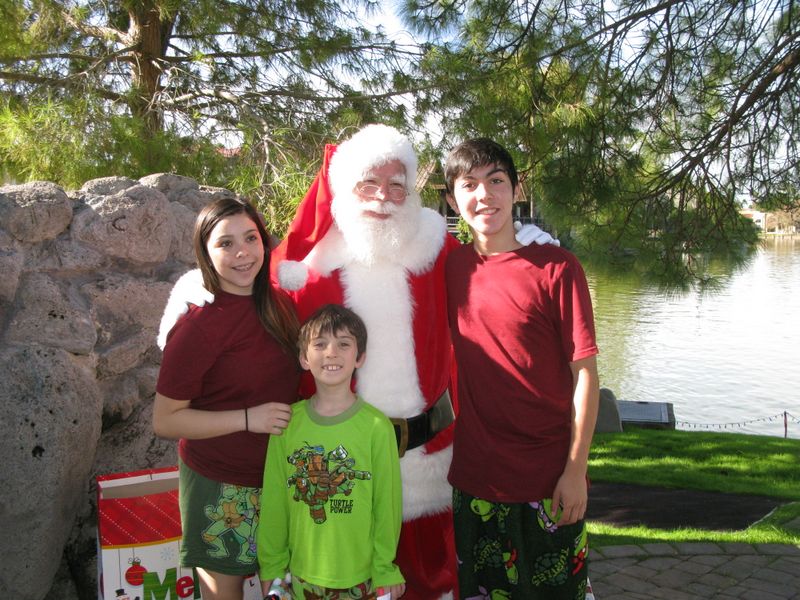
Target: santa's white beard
(371, 240)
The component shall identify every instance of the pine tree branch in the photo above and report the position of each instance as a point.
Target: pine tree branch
(116, 55)
(55, 83)
(97, 31)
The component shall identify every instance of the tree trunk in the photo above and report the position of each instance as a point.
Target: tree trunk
(151, 33)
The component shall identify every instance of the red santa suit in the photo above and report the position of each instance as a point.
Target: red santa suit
(401, 298)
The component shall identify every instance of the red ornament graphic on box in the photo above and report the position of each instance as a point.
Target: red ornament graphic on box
(135, 573)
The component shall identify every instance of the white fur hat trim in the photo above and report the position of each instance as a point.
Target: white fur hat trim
(372, 146)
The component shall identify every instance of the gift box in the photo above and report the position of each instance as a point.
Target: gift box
(138, 538)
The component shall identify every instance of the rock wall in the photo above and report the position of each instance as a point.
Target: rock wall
(84, 276)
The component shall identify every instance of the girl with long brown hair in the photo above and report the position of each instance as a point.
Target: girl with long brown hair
(228, 376)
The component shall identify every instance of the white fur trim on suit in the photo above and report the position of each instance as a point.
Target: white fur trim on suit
(425, 488)
(381, 297)
(388, 379)
(328, 254)
(372, 146)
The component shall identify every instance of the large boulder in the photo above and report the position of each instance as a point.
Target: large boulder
(51, 416)
(127, 311)
(121, 396)
(85, 277)
(170, 184)
(123, 306)
(195, 200)
(608, 419)
(125, 354)
(132, 446)
(64, 255)
(134, 224)
(182, 241)
(50, 316)
(11, 263)
(107, 186)
(34, 212)
(63, 587)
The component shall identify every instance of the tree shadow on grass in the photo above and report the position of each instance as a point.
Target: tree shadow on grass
(626, 505)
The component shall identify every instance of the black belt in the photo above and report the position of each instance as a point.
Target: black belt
(420, 429)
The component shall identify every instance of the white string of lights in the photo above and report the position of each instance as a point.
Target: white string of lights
(784, 416)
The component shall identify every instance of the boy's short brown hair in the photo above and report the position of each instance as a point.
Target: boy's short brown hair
(474, 153)
(332, 318)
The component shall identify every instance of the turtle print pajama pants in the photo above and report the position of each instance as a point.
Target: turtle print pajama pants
(517, 551)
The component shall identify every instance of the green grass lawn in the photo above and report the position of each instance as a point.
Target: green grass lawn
(714, 462)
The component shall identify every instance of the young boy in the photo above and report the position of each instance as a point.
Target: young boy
(332, 477)
(523, 333)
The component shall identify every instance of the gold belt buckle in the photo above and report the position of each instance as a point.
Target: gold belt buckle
(402, 444)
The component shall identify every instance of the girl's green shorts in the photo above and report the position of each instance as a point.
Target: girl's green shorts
(219, 522)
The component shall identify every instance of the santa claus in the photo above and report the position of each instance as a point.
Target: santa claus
(362, 238)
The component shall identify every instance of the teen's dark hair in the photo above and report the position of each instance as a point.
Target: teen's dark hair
(474, 153)
(275, 310)
(331, 319)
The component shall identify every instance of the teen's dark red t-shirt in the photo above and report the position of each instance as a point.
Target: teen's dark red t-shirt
(517, 320)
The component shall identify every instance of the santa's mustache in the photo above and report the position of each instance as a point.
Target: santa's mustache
(378, 207)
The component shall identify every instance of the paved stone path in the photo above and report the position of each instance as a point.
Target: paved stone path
(696, 571)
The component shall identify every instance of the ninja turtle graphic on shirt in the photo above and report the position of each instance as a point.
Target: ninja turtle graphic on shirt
(319, 476)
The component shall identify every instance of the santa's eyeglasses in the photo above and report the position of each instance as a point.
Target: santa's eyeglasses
(395, 191)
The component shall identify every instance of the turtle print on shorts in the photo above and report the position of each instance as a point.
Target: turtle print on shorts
(510, 550)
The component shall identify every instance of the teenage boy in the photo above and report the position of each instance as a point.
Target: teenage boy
(332, 480)
(523, 333)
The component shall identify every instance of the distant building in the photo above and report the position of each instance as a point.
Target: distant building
(756, 216)
(780, 222)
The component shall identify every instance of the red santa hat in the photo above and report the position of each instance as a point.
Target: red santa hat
(342, 167)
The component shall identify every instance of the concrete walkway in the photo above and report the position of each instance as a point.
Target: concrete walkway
(696, 571)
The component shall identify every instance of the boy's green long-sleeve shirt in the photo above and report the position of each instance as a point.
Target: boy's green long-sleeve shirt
(331, 504)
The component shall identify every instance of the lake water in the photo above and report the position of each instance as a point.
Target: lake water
(728, 360)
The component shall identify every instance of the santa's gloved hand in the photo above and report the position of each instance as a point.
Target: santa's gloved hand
(187, 290)
(528, 234)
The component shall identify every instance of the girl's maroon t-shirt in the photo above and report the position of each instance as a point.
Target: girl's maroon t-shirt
(220, 357)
